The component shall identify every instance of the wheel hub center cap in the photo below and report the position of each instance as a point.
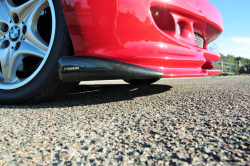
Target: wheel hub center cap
(14, 33)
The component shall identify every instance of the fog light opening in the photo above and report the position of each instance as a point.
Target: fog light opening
(208, 65)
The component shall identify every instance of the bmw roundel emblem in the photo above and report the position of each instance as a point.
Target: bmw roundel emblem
(14, 33)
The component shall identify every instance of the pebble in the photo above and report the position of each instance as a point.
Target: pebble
(179, 155)
(195, 161)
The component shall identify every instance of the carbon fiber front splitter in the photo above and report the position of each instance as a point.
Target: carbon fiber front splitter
(86, 68)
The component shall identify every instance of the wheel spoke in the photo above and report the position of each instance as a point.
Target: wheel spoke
(29, 49)
(2, 54)
(32, 33)
(4, 17)
(9, 65)
(2, 33)
(10, 59)
(36, 40)
(1, 76)
(22, 11)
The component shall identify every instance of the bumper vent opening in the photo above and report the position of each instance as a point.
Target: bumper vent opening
(199, 40)
(163, 19)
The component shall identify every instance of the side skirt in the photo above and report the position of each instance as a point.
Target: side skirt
(86, 68)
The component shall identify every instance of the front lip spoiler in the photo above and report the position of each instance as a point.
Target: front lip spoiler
(86, 68)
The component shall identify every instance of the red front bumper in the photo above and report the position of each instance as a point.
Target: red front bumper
(145, 33)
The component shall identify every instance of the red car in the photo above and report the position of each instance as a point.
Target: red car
(139, 41)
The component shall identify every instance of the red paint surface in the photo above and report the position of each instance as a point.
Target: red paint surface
(144, 33)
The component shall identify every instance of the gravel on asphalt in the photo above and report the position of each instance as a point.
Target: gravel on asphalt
(189, 121)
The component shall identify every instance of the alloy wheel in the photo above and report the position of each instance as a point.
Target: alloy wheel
(27, 31)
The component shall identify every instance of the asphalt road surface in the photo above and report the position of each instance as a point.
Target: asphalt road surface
(189, 121)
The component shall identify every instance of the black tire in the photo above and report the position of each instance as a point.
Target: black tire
(46, 85)
(142, 81)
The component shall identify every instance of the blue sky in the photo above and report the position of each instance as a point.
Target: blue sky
(235, 38)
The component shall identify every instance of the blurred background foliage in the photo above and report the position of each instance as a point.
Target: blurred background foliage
(242, 65)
